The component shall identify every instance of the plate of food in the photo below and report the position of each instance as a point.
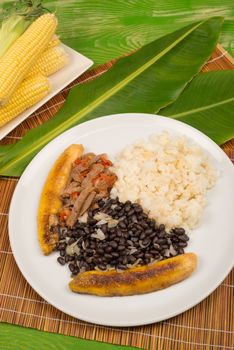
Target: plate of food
(125, 220)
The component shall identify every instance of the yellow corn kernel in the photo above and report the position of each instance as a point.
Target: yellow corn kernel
(50, 61)
(30, 91)
(22, 55)
(54, 42)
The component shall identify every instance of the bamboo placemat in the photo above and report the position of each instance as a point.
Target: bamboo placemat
(209, 325)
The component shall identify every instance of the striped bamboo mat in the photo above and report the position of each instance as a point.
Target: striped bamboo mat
(209, 325)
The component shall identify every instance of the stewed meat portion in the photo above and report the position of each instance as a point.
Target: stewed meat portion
(90, 180)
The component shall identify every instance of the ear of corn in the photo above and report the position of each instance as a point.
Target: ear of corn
(16, 63)
(55, 41)
(50, 61)
(31, 91)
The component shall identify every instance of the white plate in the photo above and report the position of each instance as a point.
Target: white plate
(213, 241)
(78, 64)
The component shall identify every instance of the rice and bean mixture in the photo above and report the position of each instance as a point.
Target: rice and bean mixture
(168, 176)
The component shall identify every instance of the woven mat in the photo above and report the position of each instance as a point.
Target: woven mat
(209, 325)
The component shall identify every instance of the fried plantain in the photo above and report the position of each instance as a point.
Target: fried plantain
(50, 200)
(137, 280)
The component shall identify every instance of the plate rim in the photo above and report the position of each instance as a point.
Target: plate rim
(80, 317)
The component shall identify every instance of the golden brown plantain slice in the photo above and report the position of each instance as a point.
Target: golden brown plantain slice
(50, 201)
(137, 280)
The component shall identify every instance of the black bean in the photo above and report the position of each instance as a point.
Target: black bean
(138, 209)
(152, 223)
(179, 230)
(131, 259)
(122, 224)
(121, 247)
(86, 229)
(100, 251)
(180, 251)
(61, 260)
(102, 267)
(108, 249)
(67, 258)
(127, 207)
(89, 252)
(71, 240)
(113, 262)
(146, 241)
(148, 255)
(174, 239)
(156, 256)
(145, 226)
(153, 234)
(61, 246)
(62, 253)
(125, 235)
(113, 244)
(119, 233)
(82, 233)
(143, 235)
(161, 227)
(162, 241)
(118, 208)
(148, 231)
(108, 256)
(122, 252)
(92, 222)
(121, 213)
(71, 267)
(153, 251)
(130, 212)
(134, 239)
(162, 234)
(183, 238)
(78, 258)
(182, 244)
(112, 236)
(115, 254)
(134, 218)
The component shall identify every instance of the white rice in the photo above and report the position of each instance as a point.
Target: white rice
(168, 176)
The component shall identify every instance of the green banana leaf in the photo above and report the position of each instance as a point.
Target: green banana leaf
(146, 81)
(207, 104)
(106, 29)
(21, 338)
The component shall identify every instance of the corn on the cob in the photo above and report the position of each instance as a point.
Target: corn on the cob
(16, 63)
(55, 41)
(31, 91)
(50, 61)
